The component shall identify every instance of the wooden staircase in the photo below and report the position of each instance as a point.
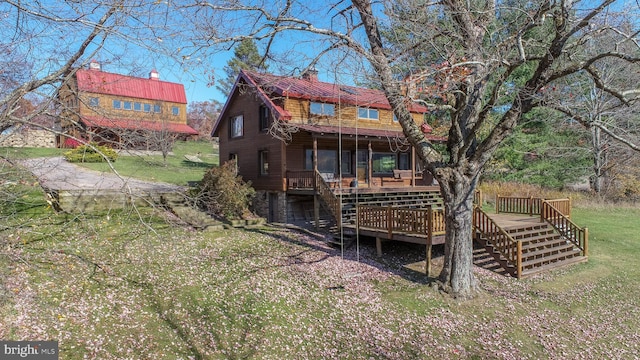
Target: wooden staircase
(543, 248)
(524, 245)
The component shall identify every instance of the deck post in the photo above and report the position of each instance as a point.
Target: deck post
(316, 201)
(585, 252)
(413, 166)
(497, 203)
(519, 260)
(427, 265)
(379, 245)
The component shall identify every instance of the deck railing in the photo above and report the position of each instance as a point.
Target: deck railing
(397, 219)
(572, 232)
(518, 205)
(501, 241)
(328, 197)
(530, 205)
(301, 179)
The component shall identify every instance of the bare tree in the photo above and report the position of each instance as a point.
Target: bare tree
(485, 64)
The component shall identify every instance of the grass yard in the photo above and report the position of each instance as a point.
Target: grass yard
(133, 284)
(176, 169)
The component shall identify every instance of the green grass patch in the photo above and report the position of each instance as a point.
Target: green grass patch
(26, 153)
(175, 169)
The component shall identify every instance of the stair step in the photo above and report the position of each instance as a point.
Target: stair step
(543, 242)
(550, 259)
(529, 231)
(554, 265)
(545, 252)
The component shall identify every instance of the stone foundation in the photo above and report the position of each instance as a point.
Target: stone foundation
(29, 138)
(261, 205)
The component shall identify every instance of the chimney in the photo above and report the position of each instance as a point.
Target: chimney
(311, 75)
(153, 75)
(94, 65)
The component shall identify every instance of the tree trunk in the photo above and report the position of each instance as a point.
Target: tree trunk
(599, 154)
(457, 276)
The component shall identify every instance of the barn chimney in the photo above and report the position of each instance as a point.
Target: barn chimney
(153, 75)
(94, 65)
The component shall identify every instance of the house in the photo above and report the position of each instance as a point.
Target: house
(122, 111)
(306, 144)
(282, 130)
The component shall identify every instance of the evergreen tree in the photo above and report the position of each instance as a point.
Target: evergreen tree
(245, 57)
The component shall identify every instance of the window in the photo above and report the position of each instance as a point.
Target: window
(383, 163)
(265, 118)
(117, 104)
(94, 102)
(137, 106)
(366, 113)
(234, 157)
(322, 109)
(346, 162)
(147, 107)
(175, 110)
(127, 105)
(403, 161)
(327, 161)
(156, 108)
(237, 126)
(263, 155)
(395, 118)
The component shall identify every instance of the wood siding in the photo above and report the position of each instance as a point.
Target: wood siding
(345, 115)
(253, 141)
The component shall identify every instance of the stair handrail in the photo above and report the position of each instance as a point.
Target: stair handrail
(502, 242)
(567, 228)
(330, 199)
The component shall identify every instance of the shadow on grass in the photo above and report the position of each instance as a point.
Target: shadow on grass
(396, 259)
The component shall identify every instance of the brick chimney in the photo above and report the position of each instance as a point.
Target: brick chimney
(153, 75)
(311, 75)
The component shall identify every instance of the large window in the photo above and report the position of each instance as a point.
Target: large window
(265, 118)
(237, 126)
(369, 114)
(322, 109)
(327, 161)
(403, 161)
(263, 155)
(383, 163)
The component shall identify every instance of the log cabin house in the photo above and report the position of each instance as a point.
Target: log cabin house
(281, 131)
(308, 145)
(122, 111)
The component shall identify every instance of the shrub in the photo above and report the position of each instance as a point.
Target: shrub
(90, 154)
(222, 192)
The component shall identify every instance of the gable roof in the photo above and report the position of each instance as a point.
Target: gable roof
(101, 82)
(312, 90)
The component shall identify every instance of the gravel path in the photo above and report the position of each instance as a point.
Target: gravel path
(58, 174)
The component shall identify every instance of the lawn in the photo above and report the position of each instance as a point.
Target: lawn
(134, 284)
(175, 170)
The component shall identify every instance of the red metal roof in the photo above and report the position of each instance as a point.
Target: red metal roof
(103, 122)
(100, 82)
(315, 90)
